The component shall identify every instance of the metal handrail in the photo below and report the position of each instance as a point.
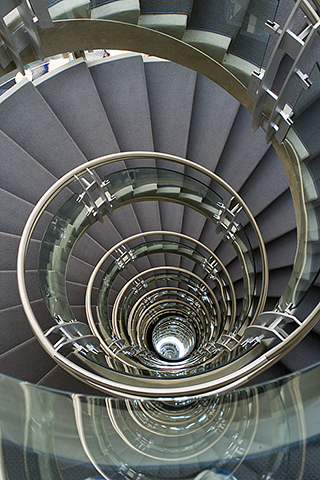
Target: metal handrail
(92, 278)
(159, 232)
(146, 387)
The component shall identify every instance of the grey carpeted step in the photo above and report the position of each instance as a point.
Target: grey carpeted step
(251, 41)
(213, 114)
(121, 85)
(29, 121)
(166, 7)
(280, 252)
(122, 88)
(266, 183)
(9, 245)
(218, 16)
(277, 219)
(280, 210)
(15, 328)
(57, 376)
(243, 151)
(306, 353)
(72, 95)
(170, 105)
(22, 166)
(17, 212)
(306, 125)
(276, 371)
(9, 288)
(36, 362)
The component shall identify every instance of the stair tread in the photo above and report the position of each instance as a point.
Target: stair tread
(241, 138)
(15, 328)
(23, 166)
(266, 183)
(58, 378)
(306, 353)
(170, 105)
(17, 212)
(121, 86)
(36, 130)
(72, 95)
(9, 288)
(27, 360)
(214, 17)
(9, 245)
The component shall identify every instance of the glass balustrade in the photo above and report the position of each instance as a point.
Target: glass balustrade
(238, 26)
(264, 431)
(260, 432)
(134, 304)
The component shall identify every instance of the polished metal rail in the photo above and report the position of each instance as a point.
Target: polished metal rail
(159, 232)
(117, 383)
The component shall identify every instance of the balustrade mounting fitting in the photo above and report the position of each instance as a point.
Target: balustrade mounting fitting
(271, 111)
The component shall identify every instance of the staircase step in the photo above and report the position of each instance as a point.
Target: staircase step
(37, 129)
(15, 328)
(170, 105)
(121, 85)
(213, 25)
(168, 17)
(277, 219)
(71, 94)
(244, 146)
(120, 10)
(9, 245)
(273, 373)
(27, 360)
(57, 377)
(22, 166)
(266, 183)
(10, 296)
(17, 212)
(213, 114)
(306, 353)
(306, 125)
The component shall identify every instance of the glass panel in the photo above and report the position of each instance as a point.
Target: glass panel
(61, 235)
(252, 40)
(244, 251)
(268, 431)
(306, 270)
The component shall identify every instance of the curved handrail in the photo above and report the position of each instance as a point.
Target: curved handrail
(146, 234)
(111, 384)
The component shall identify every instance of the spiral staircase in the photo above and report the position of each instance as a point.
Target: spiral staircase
(172, 256)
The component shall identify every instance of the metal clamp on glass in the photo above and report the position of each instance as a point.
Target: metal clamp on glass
(75, 334)
(125, 256)
(18, 39)
(295, 46)
(99, 199)
(271, 325)
(227, 223)
(210, 266)
(227, 342)
(138, 285)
